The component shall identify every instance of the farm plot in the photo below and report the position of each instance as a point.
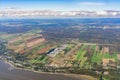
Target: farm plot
(34, 52)
(111, 56)
(80, 57)
(97, 55)
(40, 59)
(35, 42)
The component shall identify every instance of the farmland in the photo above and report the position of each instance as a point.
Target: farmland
(23, 42)
(78, 47)
(32, 47)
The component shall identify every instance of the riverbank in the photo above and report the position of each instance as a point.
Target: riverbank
(75, 76)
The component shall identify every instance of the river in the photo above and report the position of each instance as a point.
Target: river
(8, 72)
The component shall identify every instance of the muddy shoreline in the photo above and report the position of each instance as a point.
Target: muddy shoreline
(26, 74)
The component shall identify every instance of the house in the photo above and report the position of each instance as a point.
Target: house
(57, 50)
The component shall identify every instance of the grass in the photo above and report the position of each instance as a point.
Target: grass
(18, 42)
(113, 56)
(83, 59)
(80, 55)
(40, 58)
(81, 52)
(107, 55)
(44, 59)
(93, 58)
(7, 37)
(93, 47)
(97, 56)
(38, 48)
(36, 60)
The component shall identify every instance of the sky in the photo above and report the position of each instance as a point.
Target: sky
(61, 5)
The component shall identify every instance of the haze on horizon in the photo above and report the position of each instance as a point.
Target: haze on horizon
(61, 5)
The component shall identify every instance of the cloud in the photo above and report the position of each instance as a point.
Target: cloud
(92, 3)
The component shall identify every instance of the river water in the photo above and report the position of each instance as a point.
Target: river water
(7, 72)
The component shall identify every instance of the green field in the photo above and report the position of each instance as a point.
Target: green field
(113, 56)
(80, 57)
(97, 55)
(40, 59)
